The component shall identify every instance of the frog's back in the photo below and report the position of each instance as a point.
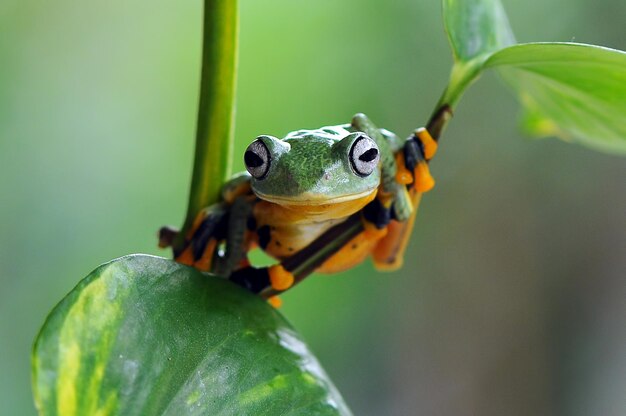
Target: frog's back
(334, 133)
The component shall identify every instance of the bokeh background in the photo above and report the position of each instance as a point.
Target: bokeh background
(512, 298)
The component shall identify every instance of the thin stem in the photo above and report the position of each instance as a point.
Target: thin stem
(438, 121)
(216, 110)
(463, 74)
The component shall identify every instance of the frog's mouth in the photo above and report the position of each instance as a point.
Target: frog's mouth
(310, 198)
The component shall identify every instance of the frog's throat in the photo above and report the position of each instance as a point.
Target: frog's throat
(308, 199)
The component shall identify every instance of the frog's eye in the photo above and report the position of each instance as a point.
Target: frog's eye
(257, 159)
(364, 155)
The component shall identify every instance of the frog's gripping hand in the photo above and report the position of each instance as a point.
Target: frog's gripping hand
(417, 152)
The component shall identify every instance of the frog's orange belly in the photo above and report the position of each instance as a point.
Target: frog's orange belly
(288, 240)
(282, 241)
(284, 230)
(350, 255)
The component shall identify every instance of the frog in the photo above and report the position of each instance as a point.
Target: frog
(296, 188)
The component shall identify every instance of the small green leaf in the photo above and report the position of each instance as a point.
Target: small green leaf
(476, 29)
(574, 91)
(143, 335)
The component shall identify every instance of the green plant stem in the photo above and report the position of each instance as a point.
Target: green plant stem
(462, 76)
(216, 110)
(439, 120)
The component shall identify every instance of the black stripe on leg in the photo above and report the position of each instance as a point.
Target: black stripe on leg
(377, 214)
(251, 223)
(255, 280)
(412, 153)
(203, 234)
(264, 236)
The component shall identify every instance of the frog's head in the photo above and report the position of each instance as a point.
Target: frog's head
(314, 167)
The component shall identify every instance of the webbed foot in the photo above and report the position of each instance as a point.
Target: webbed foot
(275, 301)
(280, 278)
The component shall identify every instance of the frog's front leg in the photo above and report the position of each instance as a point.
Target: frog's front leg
(236, 247)
(393, 194)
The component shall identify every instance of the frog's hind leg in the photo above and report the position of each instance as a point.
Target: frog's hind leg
(413, 172)
(217, 241)
(201, 242)
(389, 252)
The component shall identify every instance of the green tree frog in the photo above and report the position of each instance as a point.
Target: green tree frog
(298, 187)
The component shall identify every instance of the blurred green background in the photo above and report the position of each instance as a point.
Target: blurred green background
(511, 301)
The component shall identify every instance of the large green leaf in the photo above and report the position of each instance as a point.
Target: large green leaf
(476, 29)
(574, 91)
(143, 335)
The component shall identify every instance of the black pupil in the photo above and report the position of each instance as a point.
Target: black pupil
(369, 155)
(252, 159)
